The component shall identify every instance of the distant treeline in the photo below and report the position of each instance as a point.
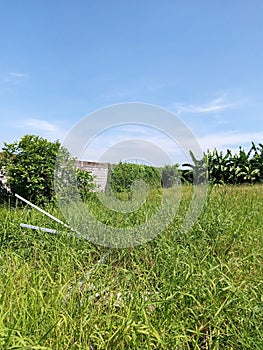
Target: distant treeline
(215, 167)
(29, 166)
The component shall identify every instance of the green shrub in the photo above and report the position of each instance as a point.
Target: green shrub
(170, 175)
(123, 175)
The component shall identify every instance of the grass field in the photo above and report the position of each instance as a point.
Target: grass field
(198, 290)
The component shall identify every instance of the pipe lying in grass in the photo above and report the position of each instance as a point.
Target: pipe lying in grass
(49, 230)
(43, 212)
(49, 215)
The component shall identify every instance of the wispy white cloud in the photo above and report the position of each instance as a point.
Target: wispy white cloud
(14, 77)
(218, 104)
(18, 75)
(51, 131)
(39, 124)
(229, 140)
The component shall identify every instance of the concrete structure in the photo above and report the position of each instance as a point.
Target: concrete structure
(98, 170)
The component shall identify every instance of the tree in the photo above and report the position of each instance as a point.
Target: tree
(29, 165)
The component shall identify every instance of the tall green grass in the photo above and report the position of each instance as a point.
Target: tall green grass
(198, 290)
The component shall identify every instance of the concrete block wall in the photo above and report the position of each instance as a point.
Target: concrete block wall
(99, 171)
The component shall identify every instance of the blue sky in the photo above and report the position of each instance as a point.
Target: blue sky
(202, 60)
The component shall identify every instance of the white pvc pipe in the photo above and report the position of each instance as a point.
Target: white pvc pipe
(49, 230)
(43, 211)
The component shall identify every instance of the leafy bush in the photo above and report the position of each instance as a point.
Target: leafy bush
(170, 175)
(85, 183)
(30, 166)
(123, 175)
(70, 180)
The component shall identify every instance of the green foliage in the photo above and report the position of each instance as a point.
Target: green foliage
(85, 183)
(30, 167)
(170, 175)
(237, 168)
(229, 168)
(29, 164)
(198, 170)
(123, 176)
(69, 180)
